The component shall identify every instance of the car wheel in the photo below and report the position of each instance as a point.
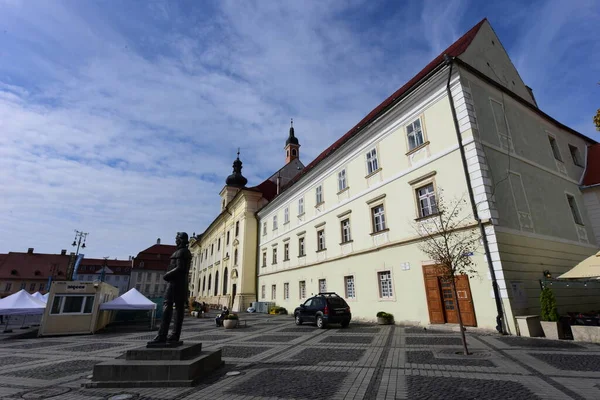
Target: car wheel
(345, 324)
(298, 320)
(320, 322)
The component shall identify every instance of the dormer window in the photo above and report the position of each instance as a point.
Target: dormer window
(14, 272)
(37, 273)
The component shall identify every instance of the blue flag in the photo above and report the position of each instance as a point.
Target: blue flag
(77, 262)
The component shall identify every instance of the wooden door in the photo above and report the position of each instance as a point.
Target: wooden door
(449, 301)
(434, 300)
(465, 301)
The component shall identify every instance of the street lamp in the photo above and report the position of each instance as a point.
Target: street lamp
(73, 264)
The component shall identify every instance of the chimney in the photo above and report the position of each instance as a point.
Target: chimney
(30, 250)
(129, 258)
(158, 241)
(63, 252)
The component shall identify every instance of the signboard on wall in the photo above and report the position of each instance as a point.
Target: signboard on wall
(519, 295)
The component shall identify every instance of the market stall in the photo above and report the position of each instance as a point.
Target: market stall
(132, 301)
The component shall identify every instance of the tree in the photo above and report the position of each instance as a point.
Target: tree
(450, 238)
(597, 120)
(549, 311)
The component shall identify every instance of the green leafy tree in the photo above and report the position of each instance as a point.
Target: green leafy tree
(450, 237)
(597, 120)
(548, 304)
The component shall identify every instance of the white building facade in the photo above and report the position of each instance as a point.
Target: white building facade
(348, 223)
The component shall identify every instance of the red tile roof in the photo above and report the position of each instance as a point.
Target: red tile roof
(155, 257)
(160, 249)
(32, 265)
(268, 189)
(91, 265)
(592, 170)
(456, 49)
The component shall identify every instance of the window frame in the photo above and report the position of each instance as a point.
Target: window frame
(301, 206)
(374, 229)
(322, 280)
(575, 213)
(388, 273)
(302, 289)
(286, 215)
(576, 155)
(554, 147)
(264, 230)
(424, 140)
(321, 244)
(263, 292)
(301, 246)
(286, 251)
(346, 291)
(273, 291)
(342, 180)
(344, 231)
(433, 208)
(319, 198)
(82, 308)
(274, 255)
(372, 163)
(275, 224)
(286, 290)
(264, 259)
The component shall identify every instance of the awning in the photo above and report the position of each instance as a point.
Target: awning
(588, 268)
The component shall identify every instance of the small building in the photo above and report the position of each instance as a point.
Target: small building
(74, 308)
(149, 267)
(31, 271)
(113, 272)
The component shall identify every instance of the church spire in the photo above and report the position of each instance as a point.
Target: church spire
(292, 146)
(236, 178)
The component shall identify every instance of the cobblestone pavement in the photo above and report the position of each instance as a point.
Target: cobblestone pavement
(277, 359)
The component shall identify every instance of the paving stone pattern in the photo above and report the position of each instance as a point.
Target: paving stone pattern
(429, 340)
(571, 362)
(442, 388)
(279, 360)
(427, 357)
(291, 384)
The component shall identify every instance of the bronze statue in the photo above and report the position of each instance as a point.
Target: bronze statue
(177, 287)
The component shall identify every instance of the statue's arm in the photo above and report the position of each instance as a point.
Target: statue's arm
(181, 264)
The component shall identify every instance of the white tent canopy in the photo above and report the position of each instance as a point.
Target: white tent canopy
(21, 303)
(40, 297)
(46, 297)
(132, 300)
(588, 268)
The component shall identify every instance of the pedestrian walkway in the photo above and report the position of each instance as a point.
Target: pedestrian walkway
(275, 358)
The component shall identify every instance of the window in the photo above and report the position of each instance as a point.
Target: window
(72, 305)
(209, 282)
(41, 286)
(414, 133)
(574, 210)
(22, 285)
(263, 291)
(237, 228)
(273, 292)
(264, 228)
(225, 277)
(286, 291)
(227, 237)
(32, 287)
(274, 222)
(156, 288)
(117, 278)
(203, 284)
(274, 255)
(321, 240)
(212, 249)
(8, 286)
(426, 199)
(302, 289)
(219, 244)
(345, 230)
(286, 252)
(286, 215)
(349, 285)
(555, 150)
(301, 206)
(216, 283)
(319, 194)
(385, 284)
(575, 155)
(378, 218)
(301, 247)
(147, 288)
(264, 259)
(138, 287)
(235, 257)
(342, 180)
(372, 163)
(322, 285)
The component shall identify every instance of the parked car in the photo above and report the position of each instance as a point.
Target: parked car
(323, 309)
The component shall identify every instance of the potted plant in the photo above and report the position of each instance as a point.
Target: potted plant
(384, 318)
(281, 311)
(230, 321)
(549, 315)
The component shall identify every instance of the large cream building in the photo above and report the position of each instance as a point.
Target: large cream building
(468, 124)
(223, 270)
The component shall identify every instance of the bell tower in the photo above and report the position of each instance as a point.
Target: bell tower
(292, 146)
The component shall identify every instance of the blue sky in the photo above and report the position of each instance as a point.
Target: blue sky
(122, 119)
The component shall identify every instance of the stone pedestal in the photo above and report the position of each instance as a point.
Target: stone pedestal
(157, 367)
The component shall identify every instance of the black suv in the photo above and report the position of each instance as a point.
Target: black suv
(323, 309)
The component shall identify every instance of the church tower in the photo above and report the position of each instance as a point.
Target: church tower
(292, 147)
(234, 183)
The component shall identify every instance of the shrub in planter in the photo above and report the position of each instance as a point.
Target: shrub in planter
(384, 318)
(549, 315)
(232, 316)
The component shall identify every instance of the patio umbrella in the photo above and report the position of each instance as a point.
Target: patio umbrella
(588, 268)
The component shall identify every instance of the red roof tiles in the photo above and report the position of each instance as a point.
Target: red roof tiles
(32, 265)
(592, 170)
(91, 265)
(456, 49)
(155, 257)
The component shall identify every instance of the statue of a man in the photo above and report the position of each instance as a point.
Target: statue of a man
(177, 287)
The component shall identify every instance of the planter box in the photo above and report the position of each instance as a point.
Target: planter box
(553, 330)
(529, 325)
(583, 333)
(384, 321)
(230, 323)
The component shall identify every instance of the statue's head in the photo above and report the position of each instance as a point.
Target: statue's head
(181, 239)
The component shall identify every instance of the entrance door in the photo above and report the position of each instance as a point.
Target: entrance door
(233, 292)
(441, 301)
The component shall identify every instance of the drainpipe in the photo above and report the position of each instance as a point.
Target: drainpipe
(500, 316)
